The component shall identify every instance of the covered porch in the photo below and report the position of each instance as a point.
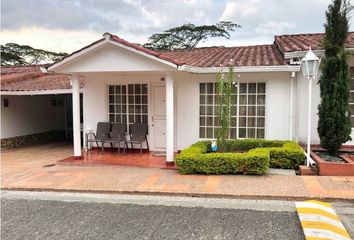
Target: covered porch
(123, 84)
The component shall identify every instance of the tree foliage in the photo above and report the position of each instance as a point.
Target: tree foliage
(224, 89)
(334, 126)
(15, 54)
(189, 35)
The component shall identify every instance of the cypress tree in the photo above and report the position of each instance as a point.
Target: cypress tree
(334, 126)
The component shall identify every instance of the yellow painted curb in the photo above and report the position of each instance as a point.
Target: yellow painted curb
(320, 222)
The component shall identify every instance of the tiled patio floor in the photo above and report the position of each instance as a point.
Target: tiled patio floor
(109, 157)
(36, 168)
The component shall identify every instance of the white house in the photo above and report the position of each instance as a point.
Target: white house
(174, 92)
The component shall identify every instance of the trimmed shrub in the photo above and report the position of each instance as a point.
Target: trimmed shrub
(249, 156)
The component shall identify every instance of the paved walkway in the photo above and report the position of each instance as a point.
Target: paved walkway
(31, 168)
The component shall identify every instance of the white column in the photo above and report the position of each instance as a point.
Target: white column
(169, 119)
(76, 116)
(309, 125)
(291, 109)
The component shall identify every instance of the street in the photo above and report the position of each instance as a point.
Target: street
(36, 218)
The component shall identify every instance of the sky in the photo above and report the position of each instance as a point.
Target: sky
(68, 25)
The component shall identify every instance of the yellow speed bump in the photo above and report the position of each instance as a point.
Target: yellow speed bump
(320, 222)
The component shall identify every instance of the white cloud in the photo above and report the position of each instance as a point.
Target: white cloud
(236, 10)
(274, 27)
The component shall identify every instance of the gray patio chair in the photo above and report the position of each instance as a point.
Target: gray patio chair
(102, 133)
(138, 134)
(117, 135)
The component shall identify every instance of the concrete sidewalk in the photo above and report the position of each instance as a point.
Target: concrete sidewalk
(32, 168)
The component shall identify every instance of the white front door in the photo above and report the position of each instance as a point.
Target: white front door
(158, 121)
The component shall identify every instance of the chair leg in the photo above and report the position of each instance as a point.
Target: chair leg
(102, 147)
(147, 144)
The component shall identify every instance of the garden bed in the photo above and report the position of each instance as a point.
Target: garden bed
(258, 155)
(340, 165)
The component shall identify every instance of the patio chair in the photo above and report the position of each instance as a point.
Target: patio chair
(117, 135)
(102, 133)
(138, 134)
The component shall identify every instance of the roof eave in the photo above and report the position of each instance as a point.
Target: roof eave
(244, 69)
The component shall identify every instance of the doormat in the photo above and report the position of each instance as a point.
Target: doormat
(159, 154)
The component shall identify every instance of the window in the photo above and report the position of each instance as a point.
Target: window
(128, 103)
(247, 117)
(351, 98)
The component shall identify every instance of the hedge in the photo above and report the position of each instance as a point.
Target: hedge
(248, 156)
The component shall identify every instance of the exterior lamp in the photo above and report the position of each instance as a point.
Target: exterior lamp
(309, 65)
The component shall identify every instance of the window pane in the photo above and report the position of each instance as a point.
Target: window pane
(202, 99)
(111, 90)
(111, 118)
(233, 132)
(251, 133)
(202, 132)
(351, 99)
(144, 109)
(131, 99)
(243, 99)
(251, 99)
(124, 90)
(210, 88)
(243, 87)
(251, 122)
(145, 118)
(243, 111)
(260, 122)
(242, 133)
(202, 121)
(111, 108)
(261, 111)
(233, 122)
(202, 88)
(209, 132)
(260, 133)
(261, 99)
(243, 121)
(137, 89)
(137, 99)
(117, 90)
(210, 99)
(261, 87)
(209, 110)
(252, 88)
(251, 111)
(144, 89)
(202, 110)
(111, 99)
(210, 121)
(131, 108)
(130, 89)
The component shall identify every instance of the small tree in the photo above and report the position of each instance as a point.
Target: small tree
(334, 126)
(224, 89)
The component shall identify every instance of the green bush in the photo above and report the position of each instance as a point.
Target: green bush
(248, 156)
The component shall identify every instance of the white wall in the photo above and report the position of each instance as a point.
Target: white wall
(302, 108)
(277, 104)
(187, 101)
(31, 114)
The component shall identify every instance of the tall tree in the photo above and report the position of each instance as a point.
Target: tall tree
(334, 126)
(189, 35)
(15, 54)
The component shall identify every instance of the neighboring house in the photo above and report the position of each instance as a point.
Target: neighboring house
(35, 106)
(174, 92)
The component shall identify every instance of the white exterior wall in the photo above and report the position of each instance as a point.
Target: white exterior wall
(277, 104)
(302, 106)
(31, 114)
(187, 101)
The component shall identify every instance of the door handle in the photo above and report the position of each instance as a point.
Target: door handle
(152, 121)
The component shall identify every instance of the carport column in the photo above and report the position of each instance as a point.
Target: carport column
(169, 119)
(76, 116)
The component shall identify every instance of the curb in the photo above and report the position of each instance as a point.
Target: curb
(181, 194)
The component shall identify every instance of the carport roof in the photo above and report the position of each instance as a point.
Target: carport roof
(31, 78)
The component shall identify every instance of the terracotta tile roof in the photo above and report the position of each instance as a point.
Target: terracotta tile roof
(261, 55)
(301, 42)
(31, 78)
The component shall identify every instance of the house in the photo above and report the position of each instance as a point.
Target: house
(174, 91)
(35, 106)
